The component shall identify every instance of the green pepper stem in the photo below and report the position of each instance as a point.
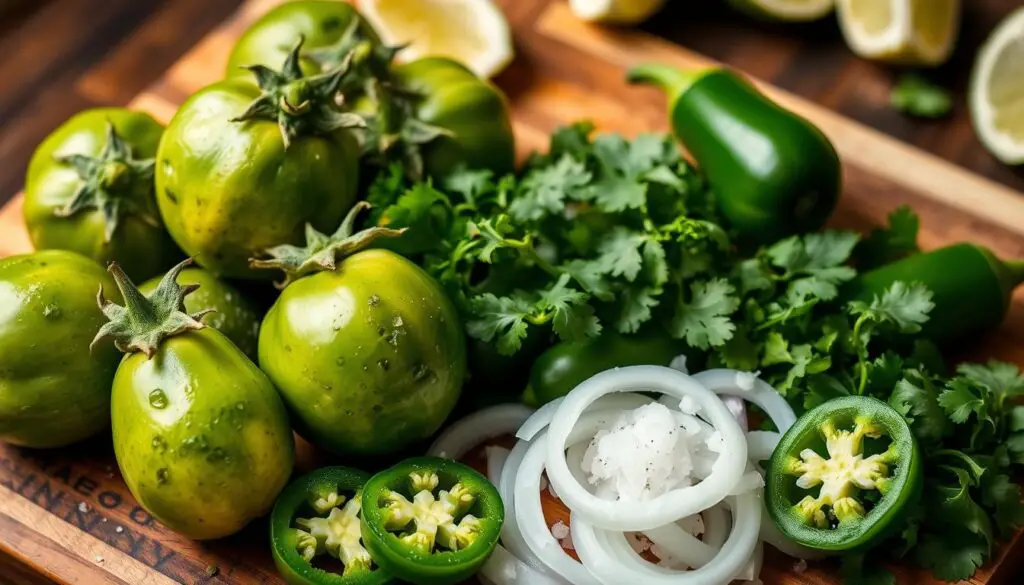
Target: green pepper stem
(673, 80)
(1014, 274)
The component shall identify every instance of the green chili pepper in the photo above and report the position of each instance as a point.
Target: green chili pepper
(317, 514)
(565, 365)
(774, 173)
(844, 476)
(970, 286)
(431, 521)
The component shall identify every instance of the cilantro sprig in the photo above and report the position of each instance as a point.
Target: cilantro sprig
(606, 234)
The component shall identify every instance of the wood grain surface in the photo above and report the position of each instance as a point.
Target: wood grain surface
(68, 518)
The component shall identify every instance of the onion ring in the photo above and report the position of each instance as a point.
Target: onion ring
(542, 418)
(723, 382)
(511, 535)
(504, 568)
(602, 552)
(675, 504)
(530, 517)
(468, 432)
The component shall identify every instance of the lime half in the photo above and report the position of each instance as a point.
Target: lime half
(997, 91)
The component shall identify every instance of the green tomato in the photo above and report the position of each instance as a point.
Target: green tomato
(323, 23)
(200, 434)
(83, 195)
(233, 314)
(53, 390)
(473, 111)
(228, 189)
(370, 357)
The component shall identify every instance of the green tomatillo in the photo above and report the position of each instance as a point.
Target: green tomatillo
(90, 190)
(244, 166)
(53, 390)
(200, 433)
(364, 346)
(332, 30)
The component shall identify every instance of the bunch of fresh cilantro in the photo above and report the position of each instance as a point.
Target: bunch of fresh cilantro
(609, 234)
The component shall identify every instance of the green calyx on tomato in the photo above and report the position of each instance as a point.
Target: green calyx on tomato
(322, 251)
(114, 183)
(319, 514)
(301, 105)
(143, 322)
(435, 115)
(844, 476)
(229, 310)
(431, 521)
(89, 189)
(365, 347)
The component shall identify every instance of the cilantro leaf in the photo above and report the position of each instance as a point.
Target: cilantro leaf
(573, 318)
(1001, 379)
(1001, 494)
(503, 318)
(884, 245)
(906, 306)
(917, 400)
(950, 559)
(959, 401)
(544, 190)
(813, 252)
(704, 320)
(635, 306)
(620, 253)
(425, 212)
(916, 96)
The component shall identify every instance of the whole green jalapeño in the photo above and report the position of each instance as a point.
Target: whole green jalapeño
(844, 476)
(318, 514)
(431, 521)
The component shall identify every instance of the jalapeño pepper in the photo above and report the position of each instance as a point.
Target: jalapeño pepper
(773, 172)
(565, 365)
(970, 287)
(431, 521)
(318, 514)
(844, 476)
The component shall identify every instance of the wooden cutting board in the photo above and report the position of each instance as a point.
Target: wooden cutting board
(66, 515)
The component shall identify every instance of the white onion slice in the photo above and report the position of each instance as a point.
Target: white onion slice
(504, 568)
(511, 534)
(467, 433)
(717, 524)
(602, 552)
(530, 517)
(761, 445)
(723, 381)
(496, 457)
(738, 408)
(542, 418)
(667, 507)
(681, 545)
(750, 574)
